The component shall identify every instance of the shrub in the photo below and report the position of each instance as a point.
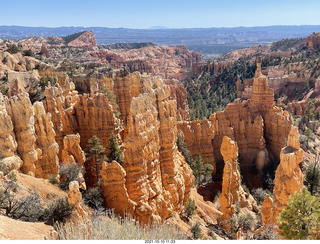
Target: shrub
(259, 194)
(245, 221)
(93, 198)
(69, 172)
(57, 209)
(268, 233)
(27, 208)
(117, 228)
(237, 207)
(28, 53)
(196, 231)
(12, 176)
(190, 207)
(12, 48)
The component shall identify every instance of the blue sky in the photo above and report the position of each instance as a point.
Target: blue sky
(169, 13)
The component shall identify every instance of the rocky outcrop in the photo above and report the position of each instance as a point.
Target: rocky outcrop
(71, 150)
(74, 113)
(289, 178)
(257, 125)
(44, 51)
(198, 135)
(21, 112)
(266, 211)
(86, 40)
(113, 186)
(313, 42)
(8, 144)
(232, 191)
(48, 162)
(78, 214)
(179, 93)
(29, 135)
(154, 180)
(169, 62)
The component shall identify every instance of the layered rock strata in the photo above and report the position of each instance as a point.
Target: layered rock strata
(232, 191)
(288, 179)
(257, 125)
(198, 135)
(28, 142)
(154, 180)
(21, 112)
(48, 162)
(73, 113)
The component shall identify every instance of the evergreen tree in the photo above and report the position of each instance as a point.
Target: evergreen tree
(191, 207)
(312, 178)
(300, 220)
(201, 171)
(115, 153)
(196, 231)
(184, 150)
(95, 151)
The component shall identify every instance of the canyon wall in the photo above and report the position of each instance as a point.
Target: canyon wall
(155, 179)
(257, 125)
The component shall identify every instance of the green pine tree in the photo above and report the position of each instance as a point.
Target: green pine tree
(312, 178)
(300, 220)
(95, 151)
(115, 153)
(201, 171)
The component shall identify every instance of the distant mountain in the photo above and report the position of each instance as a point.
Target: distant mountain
(204, 40)
(158, 28)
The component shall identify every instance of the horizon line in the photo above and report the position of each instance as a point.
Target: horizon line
(164, 27)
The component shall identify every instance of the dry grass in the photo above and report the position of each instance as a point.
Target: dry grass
(116, 228)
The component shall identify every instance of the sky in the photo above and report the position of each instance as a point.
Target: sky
(144, 14)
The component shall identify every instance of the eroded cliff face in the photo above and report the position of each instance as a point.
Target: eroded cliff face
(257, 125)
(232, 191)
(288, 179)
(169, 62)
(313, 42)
(28, 142)
(156, 180)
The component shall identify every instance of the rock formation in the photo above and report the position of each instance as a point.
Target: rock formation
(71, 150)
(313, 42)
(114, 191)
(198, 135)
(154, 179)
(179, 93)
(8, 144)
(21, 112)
(29, 136)
(266, 211)
(257, 125)
(78, 214)
(232, 191)
(48, 162)
(169, 62)
(289, 178)
(86, 40)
